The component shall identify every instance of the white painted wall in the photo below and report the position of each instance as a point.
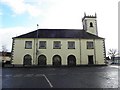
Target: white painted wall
(80, 52)
(20, 51)
(85, 52)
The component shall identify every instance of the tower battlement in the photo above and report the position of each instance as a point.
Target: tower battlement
(90, 23)
(89, 16)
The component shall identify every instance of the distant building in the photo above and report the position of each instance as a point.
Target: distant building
(61, 46)
(115, 60)
(5, 56)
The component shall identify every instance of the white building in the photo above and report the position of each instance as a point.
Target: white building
(5, 56)
(60, 46)
(115, 60)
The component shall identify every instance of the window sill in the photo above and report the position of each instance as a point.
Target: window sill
(28, 48)
(71, 48)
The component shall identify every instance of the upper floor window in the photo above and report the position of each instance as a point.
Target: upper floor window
(28, 44)
(90, 45)
(57, 45)
(71, 45)
(91, 24)
(42, 44)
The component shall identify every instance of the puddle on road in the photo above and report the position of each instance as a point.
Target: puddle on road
(115, 66)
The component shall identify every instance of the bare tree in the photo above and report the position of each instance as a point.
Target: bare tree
(112, 53)
(4, 52)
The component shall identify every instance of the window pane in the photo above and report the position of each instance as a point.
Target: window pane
(57, 45)
(42, 45)
(90, 45)
(28, 45)
(71, 45)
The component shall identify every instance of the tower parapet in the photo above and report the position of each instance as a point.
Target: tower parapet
(90, 23)
(89, 16)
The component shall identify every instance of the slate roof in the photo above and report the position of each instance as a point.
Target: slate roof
(59, 33)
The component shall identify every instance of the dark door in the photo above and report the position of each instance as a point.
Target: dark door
(71, 60)
(90, 59)
(56, 60)
(42, 60)
(27, 60)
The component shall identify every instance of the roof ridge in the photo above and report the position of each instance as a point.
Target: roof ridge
(59, 33)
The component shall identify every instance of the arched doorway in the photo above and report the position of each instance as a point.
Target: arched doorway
(56, 60)
(42, 60)
(27, 60)
(71, 60)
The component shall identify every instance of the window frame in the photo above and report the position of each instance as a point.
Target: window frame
(26, 47)
(71, 47)
(45, 45)
(59, 44)
(90, 45)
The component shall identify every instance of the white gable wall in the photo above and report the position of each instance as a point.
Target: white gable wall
(20, 51)
(99, 51)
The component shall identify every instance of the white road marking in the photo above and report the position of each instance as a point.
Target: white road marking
(18, 75)
(38, 75)
(28, 75)
(51, 74)
(8, 75)
(115, 66)
(48, 81)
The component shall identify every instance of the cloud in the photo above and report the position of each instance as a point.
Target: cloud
(8, 33)
(63, 14)
(33, 10)
(32, 7)
(18, 6)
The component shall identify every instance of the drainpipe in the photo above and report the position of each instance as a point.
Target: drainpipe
(37, 42)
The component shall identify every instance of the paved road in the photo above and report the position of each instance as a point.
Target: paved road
(64, 77)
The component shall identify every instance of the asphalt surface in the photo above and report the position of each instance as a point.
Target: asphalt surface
(62, 77)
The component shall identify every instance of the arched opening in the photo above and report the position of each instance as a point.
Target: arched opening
(56, 60)
(91, 24)
(27, 60)
(71, 60)
(42, 60)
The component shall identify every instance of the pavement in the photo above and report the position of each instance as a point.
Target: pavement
(102, 77)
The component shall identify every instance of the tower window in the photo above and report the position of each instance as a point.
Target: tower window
(91, 24)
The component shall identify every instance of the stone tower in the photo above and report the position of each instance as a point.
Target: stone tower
(90, 24)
